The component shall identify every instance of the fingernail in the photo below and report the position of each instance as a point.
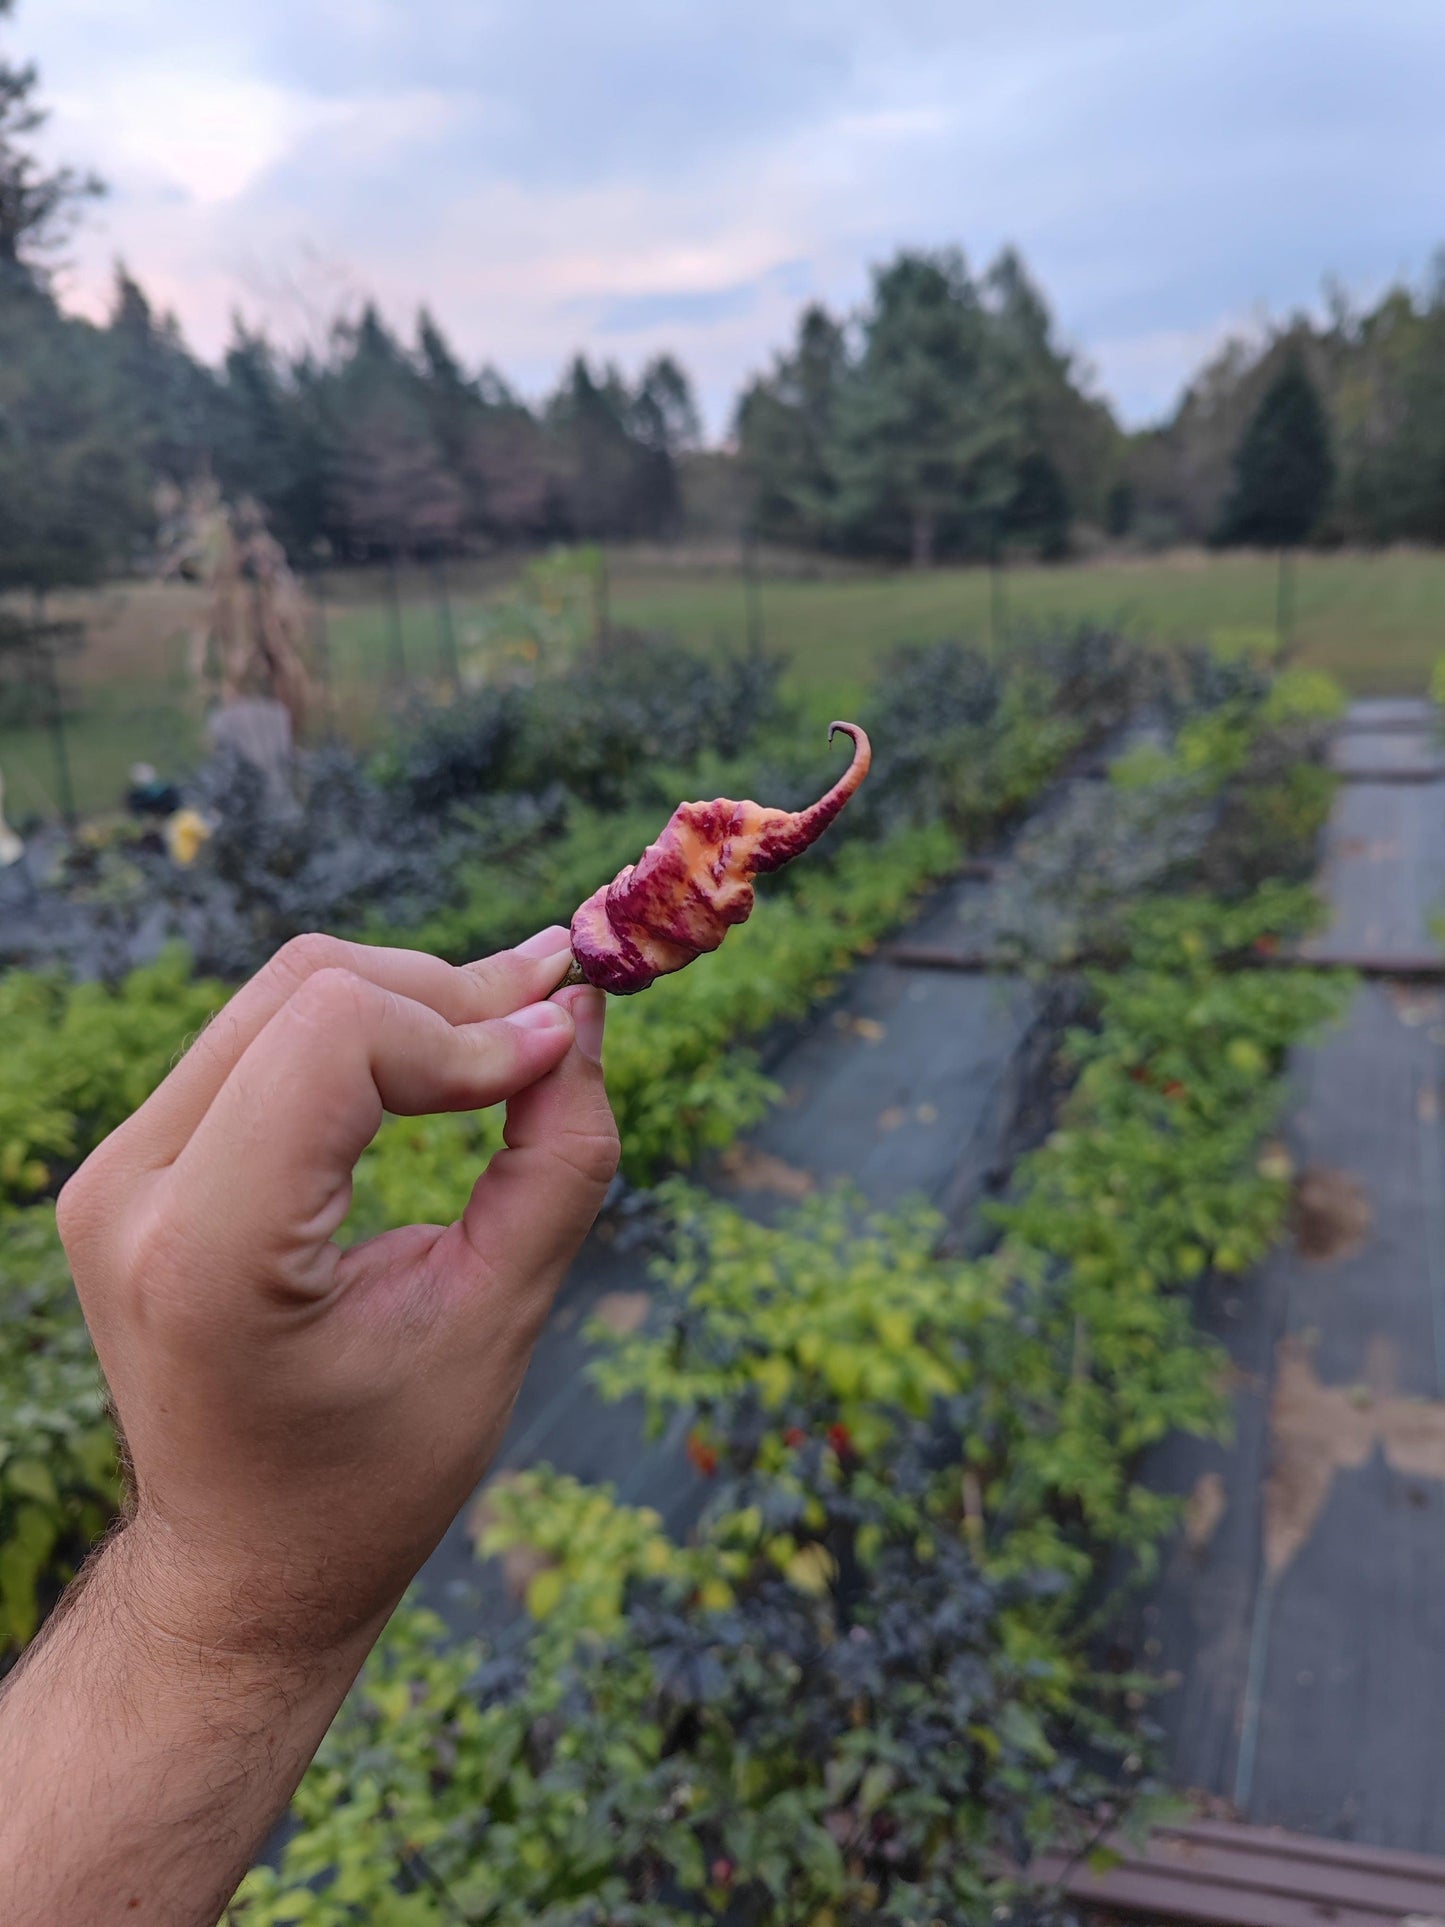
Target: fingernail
(589, 1020)
(538, 1017)
(546, 942)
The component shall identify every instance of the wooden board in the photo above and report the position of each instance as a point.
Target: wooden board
(1240, 1876)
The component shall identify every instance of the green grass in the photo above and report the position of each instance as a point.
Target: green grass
(106, 731)
(1377, 621)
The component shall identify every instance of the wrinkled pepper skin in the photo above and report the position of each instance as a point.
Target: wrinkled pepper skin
(695, 882)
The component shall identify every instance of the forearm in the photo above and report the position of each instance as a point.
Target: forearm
(143, 1757)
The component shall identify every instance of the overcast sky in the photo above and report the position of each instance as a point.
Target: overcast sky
(638, 174)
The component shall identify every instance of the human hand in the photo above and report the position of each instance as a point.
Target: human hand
(303, 1421)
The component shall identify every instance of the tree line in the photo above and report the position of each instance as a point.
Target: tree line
(1376, 373)
(941, 419)
(375, 448)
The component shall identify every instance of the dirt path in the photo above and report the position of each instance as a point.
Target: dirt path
(1303, 1608)
(908, 1085)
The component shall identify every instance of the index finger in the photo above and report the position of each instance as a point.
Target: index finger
(470, 994)
(267, 1176)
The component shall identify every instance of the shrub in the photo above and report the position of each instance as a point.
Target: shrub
(79, 1058)
(58, 1481)
(865, 1690)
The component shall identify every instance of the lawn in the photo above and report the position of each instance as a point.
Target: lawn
(1376, 620)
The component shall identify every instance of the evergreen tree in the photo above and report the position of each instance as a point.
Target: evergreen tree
(452, 402)
(392, 489)
(1069, 440)
(38, 204)
(605, 478)
(74, 491)
(268, 440)
(1283, 467)
(786, 431)
(929, 427)
(170, 401)
(663, 422)
(1041, 511)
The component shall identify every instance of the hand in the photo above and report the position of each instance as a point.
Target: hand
(303, 1421)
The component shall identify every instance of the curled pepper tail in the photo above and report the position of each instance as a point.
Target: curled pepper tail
(787, 835)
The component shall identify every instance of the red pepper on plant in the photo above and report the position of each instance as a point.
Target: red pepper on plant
(703, 1455)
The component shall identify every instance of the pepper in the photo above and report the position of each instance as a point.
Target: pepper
(696, 881)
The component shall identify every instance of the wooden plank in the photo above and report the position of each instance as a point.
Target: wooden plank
(1300, 1871)
(1284, 1845)
(1166, 1896)
(1241, 1876)
(1420, 967)
(1429, 773)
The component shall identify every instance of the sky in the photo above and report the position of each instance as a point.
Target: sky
(550, 175)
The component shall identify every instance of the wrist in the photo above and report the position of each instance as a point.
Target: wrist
(195, 1612)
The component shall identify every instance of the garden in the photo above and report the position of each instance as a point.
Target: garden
(873, 1675)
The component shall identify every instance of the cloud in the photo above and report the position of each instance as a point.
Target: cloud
(645, 174)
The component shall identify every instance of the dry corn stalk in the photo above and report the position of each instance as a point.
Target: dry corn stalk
(252, 638)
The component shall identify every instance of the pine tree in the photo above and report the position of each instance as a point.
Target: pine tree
(786, 431)
(1283, 474)
(930, 429)
(1283, 467)
(169, 399)
(38, 205)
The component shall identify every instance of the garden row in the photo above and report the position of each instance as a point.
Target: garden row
(867, 1688)
(973, 747)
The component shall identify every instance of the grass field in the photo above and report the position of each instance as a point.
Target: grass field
(1377, 621)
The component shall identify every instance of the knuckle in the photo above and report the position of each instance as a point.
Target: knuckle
(593, 1155)
(73, 1207)
(491, 978)
(330, 996)
(301, 958)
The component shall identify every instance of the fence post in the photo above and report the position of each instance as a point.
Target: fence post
(64, 783)
(398, 642)
(446, 628)
(997, 602)
(752, 591)
(1284, 607)
(602, 604)
(323, 648)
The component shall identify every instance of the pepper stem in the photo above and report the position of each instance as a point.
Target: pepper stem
(574, 976)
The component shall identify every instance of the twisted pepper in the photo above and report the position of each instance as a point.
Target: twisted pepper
(696, 881)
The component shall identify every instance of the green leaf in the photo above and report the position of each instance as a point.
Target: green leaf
(32, 1480)
(546, 1591)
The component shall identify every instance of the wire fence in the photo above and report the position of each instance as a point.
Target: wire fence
(100, 685)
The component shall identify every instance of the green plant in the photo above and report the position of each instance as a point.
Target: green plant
(865, 1689)
(79, 1058)
(58, 1476)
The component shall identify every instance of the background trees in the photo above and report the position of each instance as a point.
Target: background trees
(943, 421)
(1283, 468)
(1283, 473)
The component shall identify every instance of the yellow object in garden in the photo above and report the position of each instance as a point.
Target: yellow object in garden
(187, 834)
